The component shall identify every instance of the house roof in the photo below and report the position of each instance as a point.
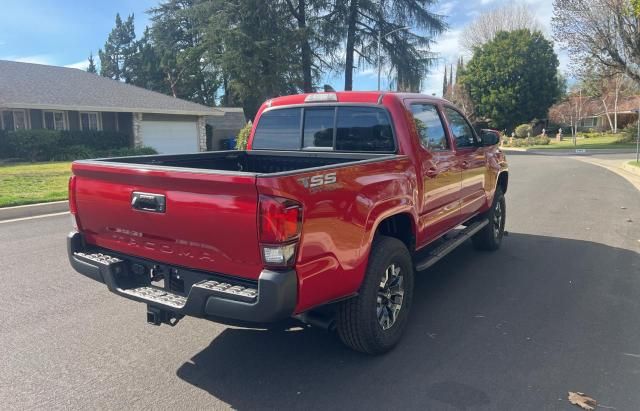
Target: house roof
(37, 86)
(232, 119)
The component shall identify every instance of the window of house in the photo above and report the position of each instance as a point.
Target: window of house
(589, 122)
(429, 126)
(13, 120)
(54, 120)
(89, 121)
(461, 130)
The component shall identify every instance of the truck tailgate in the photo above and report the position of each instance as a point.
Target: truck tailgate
(208, 221)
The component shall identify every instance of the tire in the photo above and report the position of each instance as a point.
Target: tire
(367, 323)
(490, 237)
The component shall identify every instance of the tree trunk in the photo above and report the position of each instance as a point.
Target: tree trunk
(351, 40)
(615, 104)
(307, 85)
(606, 110)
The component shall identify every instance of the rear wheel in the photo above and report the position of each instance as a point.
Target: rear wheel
(490, 237)
(373, 322)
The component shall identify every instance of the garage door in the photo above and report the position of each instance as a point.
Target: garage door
(170, 137)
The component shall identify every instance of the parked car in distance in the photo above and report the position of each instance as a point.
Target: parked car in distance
(339, 199)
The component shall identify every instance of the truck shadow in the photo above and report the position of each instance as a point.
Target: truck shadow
(482, 324)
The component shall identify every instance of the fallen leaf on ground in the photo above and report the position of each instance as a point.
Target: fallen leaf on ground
(582, 401)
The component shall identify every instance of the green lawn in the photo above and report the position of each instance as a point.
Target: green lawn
(33, 183)
(603, 142)
(634, 163)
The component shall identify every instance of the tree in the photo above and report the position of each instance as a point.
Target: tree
(569, 111)
(407, 51)
(144, 68)
(458, 93)
(178, 35)
(92, 65)
(510, 17)
(118, 49)
(607, 31)
(607, 86)
(513, 78)
(251, 42)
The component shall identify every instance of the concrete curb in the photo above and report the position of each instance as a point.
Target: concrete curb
(568, 152)
(32, 210)
(631, 169)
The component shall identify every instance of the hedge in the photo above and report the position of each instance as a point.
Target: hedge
(47, 145)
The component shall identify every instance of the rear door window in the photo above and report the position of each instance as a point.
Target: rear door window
(279, 130)
(429, 126)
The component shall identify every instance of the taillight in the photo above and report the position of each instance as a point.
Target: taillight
(73, 207)
(280, 227)
(72, 195)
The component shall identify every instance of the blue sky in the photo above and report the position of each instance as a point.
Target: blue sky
(64, 32)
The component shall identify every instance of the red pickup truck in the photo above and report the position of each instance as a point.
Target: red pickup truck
(338, 200)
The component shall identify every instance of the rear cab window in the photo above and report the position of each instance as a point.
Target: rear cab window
(326, 128)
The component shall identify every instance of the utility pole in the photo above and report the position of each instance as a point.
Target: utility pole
(638, 139)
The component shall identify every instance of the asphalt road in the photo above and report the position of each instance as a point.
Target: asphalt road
(555, 310)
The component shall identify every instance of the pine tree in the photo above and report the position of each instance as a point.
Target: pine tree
(178, 35)
(118, 49)
(143, 69)
(406, 51)
(445, 86)
(251, 42)
(92, 65)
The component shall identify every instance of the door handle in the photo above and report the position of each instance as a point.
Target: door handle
(432, 172)
(155, 203)
(465, 164)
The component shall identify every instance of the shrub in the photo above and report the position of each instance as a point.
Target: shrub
(47, 145)
(628, 135)
(523, 130)
(98, 140)
(529, 141)
(542, 140)
(79, 152)
(243, 137)
(518, 143)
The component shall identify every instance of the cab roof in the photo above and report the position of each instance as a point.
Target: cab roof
(368, 97)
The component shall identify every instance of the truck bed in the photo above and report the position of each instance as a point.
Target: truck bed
(255, 162)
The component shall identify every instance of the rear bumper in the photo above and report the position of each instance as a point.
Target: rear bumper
(275, 299)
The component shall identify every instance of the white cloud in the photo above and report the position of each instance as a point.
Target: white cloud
(37, 59)
(81, 65)
(446, 7)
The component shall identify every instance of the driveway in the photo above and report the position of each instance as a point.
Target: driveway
(555, 310)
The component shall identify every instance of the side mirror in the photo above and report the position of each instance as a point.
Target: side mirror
(489, 138)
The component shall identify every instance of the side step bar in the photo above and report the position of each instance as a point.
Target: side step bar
(449, 245)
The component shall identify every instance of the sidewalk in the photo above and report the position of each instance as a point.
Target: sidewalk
(617, 166)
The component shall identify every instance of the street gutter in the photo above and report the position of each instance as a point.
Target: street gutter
(33, 210)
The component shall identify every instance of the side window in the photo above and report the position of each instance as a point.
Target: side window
(460, 129)
(364, 129)
(278, 130)
(429, 126)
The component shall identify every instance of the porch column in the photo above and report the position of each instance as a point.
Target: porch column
(137, 135)
(202, 134)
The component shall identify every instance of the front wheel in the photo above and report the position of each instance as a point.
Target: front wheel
(373, 321)
(490, 237)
